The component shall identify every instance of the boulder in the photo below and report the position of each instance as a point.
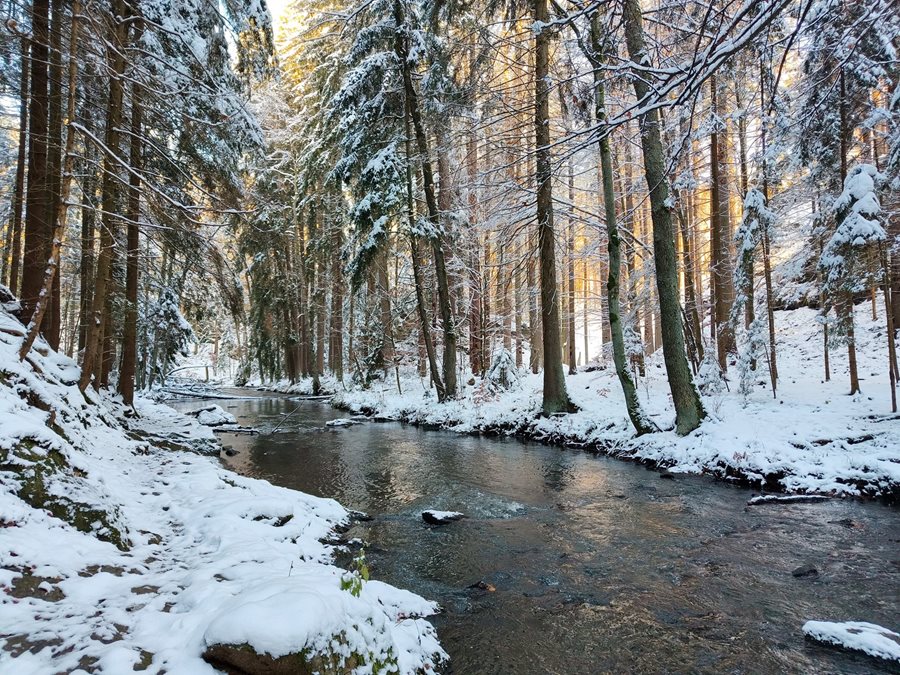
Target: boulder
(805, 571)
(244, 660)
(441, 517)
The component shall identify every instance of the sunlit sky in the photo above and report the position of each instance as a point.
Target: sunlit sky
(276, 7)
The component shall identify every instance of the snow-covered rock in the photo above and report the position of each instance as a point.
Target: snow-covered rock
(340, 422)
(441, 517)
(785, 499)
(213, 416)
(859, 636)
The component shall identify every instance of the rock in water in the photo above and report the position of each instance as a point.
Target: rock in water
(667, 475)
(785, 499)
(805, 571)
(213, 416)
(859, 636)
(441, 517)
(244, 659)
(340, 422)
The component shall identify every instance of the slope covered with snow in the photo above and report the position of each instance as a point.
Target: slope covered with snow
(124, 547)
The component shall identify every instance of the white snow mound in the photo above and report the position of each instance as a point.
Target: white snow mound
(859, 636)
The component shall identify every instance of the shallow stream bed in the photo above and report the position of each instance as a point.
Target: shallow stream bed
(585, 564)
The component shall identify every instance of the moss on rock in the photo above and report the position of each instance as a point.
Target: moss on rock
(33, 467)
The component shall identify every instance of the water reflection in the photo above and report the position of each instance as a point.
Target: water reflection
(597, 565)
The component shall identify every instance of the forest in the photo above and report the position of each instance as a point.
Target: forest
(455, 189)
(664, 230)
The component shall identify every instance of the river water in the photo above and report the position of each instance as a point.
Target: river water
(588, 564)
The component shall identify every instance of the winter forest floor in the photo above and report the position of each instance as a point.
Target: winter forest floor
(813, 437)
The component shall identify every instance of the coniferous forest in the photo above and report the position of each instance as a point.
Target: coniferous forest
(667, 232)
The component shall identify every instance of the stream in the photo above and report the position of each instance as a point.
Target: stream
(589, 564)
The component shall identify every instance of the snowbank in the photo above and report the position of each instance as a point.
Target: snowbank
(118, 551)
(812, 438)
(304, 387)
(859, 636)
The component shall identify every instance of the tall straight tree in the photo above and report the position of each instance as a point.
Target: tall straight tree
(401, 49)
(642, 424)
(109, 222)
(720, 232)
(51, 324)
(555, 396)
(38, 201)
(50, 279)
(132, 238)
(14, 249)
(688, 408)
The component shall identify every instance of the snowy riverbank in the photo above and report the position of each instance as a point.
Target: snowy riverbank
(812, 438)
(123, 547)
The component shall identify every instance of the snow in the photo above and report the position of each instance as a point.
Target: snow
(214, 416)
(812, 438)
(206, 555)
(860, 636)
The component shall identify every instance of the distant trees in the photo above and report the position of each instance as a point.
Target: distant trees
(142, 173)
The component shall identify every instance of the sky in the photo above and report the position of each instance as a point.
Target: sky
(276, 7)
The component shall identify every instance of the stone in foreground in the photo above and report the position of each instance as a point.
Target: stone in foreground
(441, 517)
(243, 659)
(859, 636)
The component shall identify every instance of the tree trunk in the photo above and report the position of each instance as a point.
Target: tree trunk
(642, 424)
(14, 250)
(38, 200)
(720, 225)
(767, 258)
(688, 409)
(51, 324)
(336, 347)
(129, 337)
(556, 399)
(421, 310)
(110, 189)
(62, 205)
(570, 265)
(402, 50)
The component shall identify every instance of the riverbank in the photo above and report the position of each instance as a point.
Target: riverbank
(124, 547)
(811, 438)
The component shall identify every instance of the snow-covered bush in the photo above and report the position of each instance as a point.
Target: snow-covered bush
(710, 380)
(166, 334)
(503, 373)
(846, 260)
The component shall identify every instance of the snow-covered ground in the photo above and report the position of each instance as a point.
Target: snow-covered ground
(812, 438)
(156, 553)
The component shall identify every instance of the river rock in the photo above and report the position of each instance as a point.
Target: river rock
(785, 499)
(213, 416)
(667, 475)
(482, 586)
(441, 517)
(244, 660)
(805, 571)
(860, 636)
(340, 422)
